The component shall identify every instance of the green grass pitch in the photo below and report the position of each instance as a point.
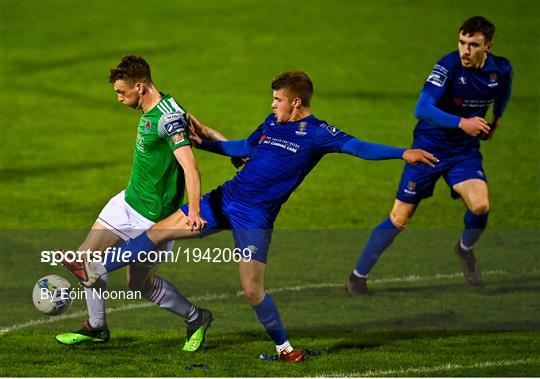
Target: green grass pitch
(66, 148)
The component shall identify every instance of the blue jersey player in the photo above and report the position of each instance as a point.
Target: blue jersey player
(451, 111)
(282, 151)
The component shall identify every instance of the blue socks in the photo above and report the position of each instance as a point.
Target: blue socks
(381, 237)
(132, 250)
(474, 226)
(268, 315)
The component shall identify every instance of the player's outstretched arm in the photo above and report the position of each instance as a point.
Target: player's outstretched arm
(235, 149)
(417, 156)
(185, 157)
(204, 131)
(375, 151)
(200, 131)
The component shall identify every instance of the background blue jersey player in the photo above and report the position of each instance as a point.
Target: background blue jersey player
(282, 151)
(451, 111)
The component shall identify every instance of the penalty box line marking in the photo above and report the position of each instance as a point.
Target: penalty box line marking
(210, 297)
(434, 369)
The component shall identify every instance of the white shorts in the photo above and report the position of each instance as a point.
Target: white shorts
(124, 221)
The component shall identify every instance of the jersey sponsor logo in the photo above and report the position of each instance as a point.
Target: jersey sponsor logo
(458, 101)
(147, 126)
(282, 143)
(261, 140)
(178, 138)
(301, 129)
(476, 103)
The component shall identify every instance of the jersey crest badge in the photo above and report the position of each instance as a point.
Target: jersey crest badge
(147, 126)
(301, 129)
(493, 80)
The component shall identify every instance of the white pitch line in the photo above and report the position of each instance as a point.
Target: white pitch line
(434, 369)
(219, 296)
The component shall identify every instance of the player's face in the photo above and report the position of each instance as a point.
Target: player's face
(282, 105)
(473, 50)
(127, 93)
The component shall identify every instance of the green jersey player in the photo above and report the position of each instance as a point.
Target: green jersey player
(163, 164)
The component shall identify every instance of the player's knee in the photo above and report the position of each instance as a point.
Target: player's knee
(253, 294)
(399, 219)
(480, 207)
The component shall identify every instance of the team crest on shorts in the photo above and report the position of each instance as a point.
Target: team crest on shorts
(411, 188)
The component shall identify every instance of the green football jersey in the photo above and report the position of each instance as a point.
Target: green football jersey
(156, 186)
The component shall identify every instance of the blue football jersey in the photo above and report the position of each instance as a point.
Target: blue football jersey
(283, 154)
(465, 93)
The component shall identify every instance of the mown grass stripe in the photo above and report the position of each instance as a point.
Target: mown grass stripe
(433, 369)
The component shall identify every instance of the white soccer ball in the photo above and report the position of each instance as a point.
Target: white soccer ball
(51, 295)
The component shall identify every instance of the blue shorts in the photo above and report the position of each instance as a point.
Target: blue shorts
(418, 182)
(251, 227)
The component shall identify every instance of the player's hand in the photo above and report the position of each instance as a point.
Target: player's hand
(195, 221)
(416, 156)
(489, 135)
(198, 127)
(195, 138)
(239, 162)
(196, 133)
(474, 126)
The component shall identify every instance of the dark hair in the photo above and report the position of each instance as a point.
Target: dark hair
(297, 83)
(478, 24)
(131, 68)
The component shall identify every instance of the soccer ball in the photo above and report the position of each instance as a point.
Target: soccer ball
(51, 295)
